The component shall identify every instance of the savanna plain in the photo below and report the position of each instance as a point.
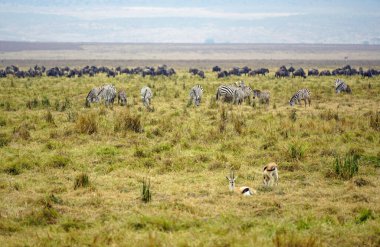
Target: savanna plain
(73, 176)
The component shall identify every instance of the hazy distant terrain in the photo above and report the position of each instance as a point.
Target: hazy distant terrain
(119, 51)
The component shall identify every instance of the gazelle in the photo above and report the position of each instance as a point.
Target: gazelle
(244, 190)
(270, 173)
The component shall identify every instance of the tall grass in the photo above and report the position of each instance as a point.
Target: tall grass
(348, 167)
(146, 194)
(87, 123)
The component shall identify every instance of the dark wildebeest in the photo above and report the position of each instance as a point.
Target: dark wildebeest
(299, 72)
(216, 69)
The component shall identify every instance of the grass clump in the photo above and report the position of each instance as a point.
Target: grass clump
(223, 120)
(292, 240)
(30, 104)
(296, 151)
(59, 161)
(128, 122)
(49, 118)
(348, 167)
(238, 121)
(374, 121)
(87, 124)
(364, 215)
(81, 181)
(4, 139)
(293, 115)
(45, 216)
(146, 195)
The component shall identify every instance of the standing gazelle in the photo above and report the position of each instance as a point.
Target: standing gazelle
(270, 173)
(244, 190)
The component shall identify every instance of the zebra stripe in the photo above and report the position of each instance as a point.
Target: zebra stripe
(196, 93)
(302, 94)
(341, 86)
(146, 96)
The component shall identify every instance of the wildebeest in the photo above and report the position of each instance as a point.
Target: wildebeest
(312, 72)
(216, 69)
(299, 72)
(325, 73)
(223, 74)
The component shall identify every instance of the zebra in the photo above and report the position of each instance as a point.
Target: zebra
(341, 86)
(196, 93)
(146, 96)
(238, 96)
(108, 93)
(263, 96)
(122, 98)
(302, 94)
(92, 96)
(225, 92)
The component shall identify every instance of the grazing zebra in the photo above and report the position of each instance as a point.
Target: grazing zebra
(92, 96)
(122, 98)
(146, 96)
(238, 96)
(225, 92)
(108, 93)
(302, 94)
(341, 86)
(196, 93)
(263, 96)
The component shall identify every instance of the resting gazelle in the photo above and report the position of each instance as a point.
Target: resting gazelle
(245, 191)
(270, 173)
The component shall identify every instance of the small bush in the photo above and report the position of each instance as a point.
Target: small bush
(87, 124)
(128, 122)
(81, 181)
(146, 195)
(374, 121)
(347, 168)
(364, 215)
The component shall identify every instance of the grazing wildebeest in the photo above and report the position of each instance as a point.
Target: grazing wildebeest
(216, 69)
(325, 73)
(299, 72)
(313, 72)
(223, 74)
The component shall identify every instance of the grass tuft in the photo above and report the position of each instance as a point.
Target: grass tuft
(128, 122)
(81, 181)
(146, 194)
(292, 240)
(347, 168)
(87, 124)
(374, 121)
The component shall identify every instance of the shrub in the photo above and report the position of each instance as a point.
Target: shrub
(146, 195)
(128, 122)
(81, 181)
(87, 124)
(347, 168)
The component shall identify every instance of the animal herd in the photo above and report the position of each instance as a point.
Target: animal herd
(164, 70)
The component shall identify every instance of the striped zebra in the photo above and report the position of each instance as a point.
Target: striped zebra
(146, 96)
(92, 96)
(108, 94)
(196, 93)
(238, 97)
(105, 92)
(341, 86)
(263, 96)
(225, 93)
(302, 94)
(122, 98)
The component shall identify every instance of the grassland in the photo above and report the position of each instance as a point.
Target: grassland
(71, 175)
